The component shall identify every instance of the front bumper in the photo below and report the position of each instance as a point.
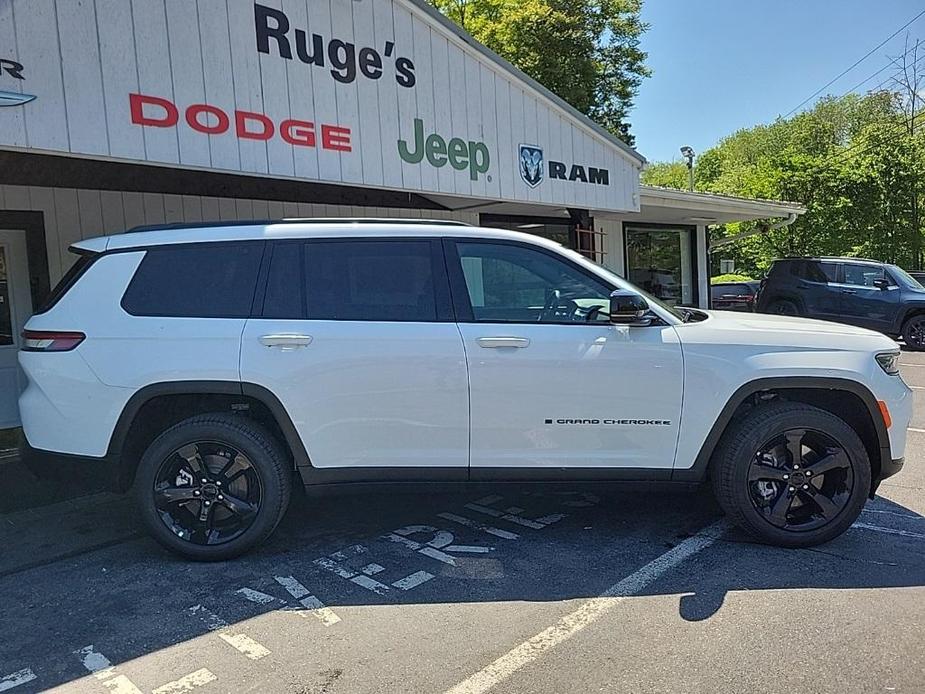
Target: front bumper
(888, 467)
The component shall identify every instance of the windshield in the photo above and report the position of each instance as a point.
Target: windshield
(904, 278)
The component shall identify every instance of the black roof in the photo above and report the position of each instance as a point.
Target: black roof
(831, 258)
(307, 220)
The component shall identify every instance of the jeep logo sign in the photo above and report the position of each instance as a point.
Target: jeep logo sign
(460, 154)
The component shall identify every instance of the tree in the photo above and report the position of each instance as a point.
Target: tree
(853, 161)
(585, 51)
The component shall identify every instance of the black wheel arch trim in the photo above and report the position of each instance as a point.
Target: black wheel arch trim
(698, 471)
(251, 390)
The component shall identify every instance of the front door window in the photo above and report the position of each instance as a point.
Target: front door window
(660, 260)
(513, 284)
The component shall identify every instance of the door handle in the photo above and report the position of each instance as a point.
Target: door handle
(286, 341)
(849, 291)
(496, 342)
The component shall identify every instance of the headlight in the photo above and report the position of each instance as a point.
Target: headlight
(889, 362)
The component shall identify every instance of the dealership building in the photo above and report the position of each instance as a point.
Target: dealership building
(122, 113)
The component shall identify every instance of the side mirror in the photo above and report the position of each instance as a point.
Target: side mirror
(628, 308)
(882, 283)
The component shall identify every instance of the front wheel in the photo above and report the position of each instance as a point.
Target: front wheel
(914, 333)
(791, 474)
(212, 486)
(783, 307)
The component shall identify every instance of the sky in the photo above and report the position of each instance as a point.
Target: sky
(722, 65)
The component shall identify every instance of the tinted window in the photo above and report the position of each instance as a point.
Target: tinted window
(285, 295)
(207, 280)
(814, 271)
(862, 275)
(70, 278)
(370, 280)
(509, 283)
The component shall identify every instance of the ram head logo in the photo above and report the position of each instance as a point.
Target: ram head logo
(531, 165)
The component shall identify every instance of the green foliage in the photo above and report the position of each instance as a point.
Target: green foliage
(855, 162)
(730, 277)
(585, 51)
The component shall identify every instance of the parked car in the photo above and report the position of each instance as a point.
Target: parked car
(917, 275)
(210, 367)
(865, 293)
(734, 296)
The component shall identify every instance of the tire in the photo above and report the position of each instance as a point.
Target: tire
(230, 453)
(750, 486)
(783, 307)
(914, 333)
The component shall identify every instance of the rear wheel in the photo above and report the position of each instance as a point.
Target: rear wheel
(914, 333)
(783, 307)
(212, 486)
(791, 474)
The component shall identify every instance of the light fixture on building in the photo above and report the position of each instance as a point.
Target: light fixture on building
(688, 153)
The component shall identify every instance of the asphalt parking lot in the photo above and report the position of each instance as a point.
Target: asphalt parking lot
(507, 588)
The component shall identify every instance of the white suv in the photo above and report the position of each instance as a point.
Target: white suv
(205, 365)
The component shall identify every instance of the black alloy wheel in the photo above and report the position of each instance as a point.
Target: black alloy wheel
(800, 480)
(207, 492)
(791, 474)
(914, 333)
(213, 486)
(782, 307)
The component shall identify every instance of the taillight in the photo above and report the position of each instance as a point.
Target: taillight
(50, 341)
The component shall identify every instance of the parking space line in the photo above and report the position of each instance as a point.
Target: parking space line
(120, 684)
(587, 613)
(256, 596)
(315, 607)
(462, 520)
(102, 669)
(907, 516)
(246, 645)
(917, 431)
(888, 531)
(413, 580)
(95, 662)
(14, 679)
(240, 642)
(187, 683)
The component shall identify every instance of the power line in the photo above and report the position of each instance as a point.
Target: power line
(853, 65)
(890, 64)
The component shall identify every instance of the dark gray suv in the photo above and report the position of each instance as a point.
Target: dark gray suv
(865, 293)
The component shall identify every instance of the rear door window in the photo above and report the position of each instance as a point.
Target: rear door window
(204, 280)
(815, 271)
(374, 280)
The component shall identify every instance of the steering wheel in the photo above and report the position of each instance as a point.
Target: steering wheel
(554, 303)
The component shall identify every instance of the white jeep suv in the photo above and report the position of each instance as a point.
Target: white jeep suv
(210, 366)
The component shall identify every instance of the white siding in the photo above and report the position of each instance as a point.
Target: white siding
(74, 214)
(204, 52)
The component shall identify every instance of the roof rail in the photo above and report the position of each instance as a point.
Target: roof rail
(841, 258)
(296, 220)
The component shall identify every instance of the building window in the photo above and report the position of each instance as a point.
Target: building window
(588, 242)
(662, 261)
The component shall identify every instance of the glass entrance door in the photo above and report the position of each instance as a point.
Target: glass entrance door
(661, 261)
(15, 309)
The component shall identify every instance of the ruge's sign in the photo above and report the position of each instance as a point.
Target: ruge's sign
(377, 93)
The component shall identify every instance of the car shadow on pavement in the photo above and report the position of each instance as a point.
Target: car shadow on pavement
(501, 544)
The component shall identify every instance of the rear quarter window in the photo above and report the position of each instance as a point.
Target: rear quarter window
(206, 280)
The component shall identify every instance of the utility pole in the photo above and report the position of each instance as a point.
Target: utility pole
(688, 153)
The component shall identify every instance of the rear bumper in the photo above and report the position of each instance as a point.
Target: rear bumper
(63, 468)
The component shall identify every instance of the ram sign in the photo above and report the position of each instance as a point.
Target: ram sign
(371, 93)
